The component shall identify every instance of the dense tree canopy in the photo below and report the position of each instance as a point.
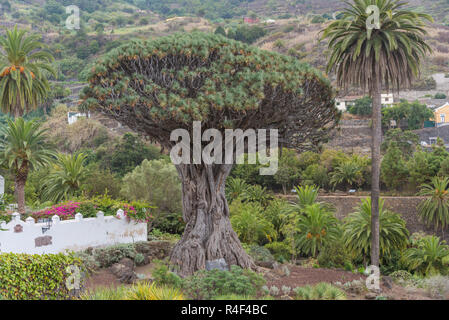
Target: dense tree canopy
(160, 85)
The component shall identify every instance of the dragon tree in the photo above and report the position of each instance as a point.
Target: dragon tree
(157, 86)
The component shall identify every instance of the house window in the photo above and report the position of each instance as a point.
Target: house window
(443, 117)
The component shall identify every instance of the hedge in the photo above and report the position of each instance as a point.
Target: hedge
(36, 277)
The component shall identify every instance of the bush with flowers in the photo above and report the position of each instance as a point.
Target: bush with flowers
(138, 211)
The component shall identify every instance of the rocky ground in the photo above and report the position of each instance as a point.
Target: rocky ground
(292, 276)
(299, 276)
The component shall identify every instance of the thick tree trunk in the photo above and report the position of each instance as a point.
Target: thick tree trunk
(208, 234)
(375, 187)
(20, 194)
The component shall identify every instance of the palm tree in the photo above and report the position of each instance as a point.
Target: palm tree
(358, 230)
(387, 55)
(316, 227)
(349, 173)
(435, 208)
(65, 179)
(430, 257)
(23, 68)
(22, 149)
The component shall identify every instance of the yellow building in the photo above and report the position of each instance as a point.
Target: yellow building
(441, 114)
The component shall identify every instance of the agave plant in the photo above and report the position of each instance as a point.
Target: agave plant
(357, 230)
(146, 291)
(321, 291)
(316, 227)
(430, 257)
(434, 210)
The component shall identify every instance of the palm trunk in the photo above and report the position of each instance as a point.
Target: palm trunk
(208, 234)
(21, 179)
(20, 194)
(375, 187)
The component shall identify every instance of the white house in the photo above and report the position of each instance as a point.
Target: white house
(72, 117)
(343, 103)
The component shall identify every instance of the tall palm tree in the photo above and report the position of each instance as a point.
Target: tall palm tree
(22, 149)
(23, 69)
(65, 179)
(373, 56)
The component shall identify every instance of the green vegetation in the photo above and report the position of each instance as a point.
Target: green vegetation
(435, 209)
(321, 291)
(24, 67)
(205, 285)
(386, 54)
(414, 113)
(65, 179)
(154, 75)
(430, 256)
(22, 149)
(36, 277)
(357, 231)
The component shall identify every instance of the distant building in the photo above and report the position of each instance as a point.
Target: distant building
(429, 136)
(441, 114)
(73, 117)
(250, 20)
(343, 103)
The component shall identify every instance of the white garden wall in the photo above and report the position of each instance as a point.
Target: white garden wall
(74, 235)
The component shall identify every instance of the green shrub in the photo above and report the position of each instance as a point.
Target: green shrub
(335, 255)
(169, 222)
(111, 293)
(206, 285)
(280, 250)
(156, 234)
(36, 277)
(321, 291)
(259, 253)
(155, 182)
(404, 278)
(430, 257)
(163, 276)
(249, 223)
(106, 257)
